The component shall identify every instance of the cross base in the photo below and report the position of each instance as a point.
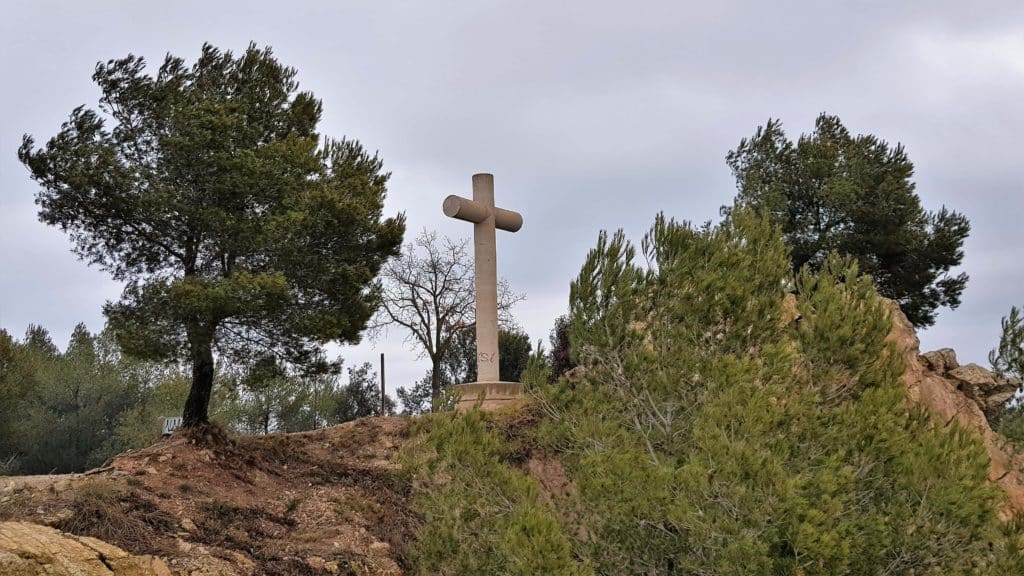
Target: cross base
(495, 395)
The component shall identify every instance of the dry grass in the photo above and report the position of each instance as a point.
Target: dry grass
(118, 516)
(203, 498)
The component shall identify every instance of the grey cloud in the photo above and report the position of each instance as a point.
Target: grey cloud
(591, 116)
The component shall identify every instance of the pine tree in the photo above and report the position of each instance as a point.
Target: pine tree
(832, 191)
(207, 190)
(708, 434)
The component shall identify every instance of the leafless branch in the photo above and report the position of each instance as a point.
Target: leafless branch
(429, 292)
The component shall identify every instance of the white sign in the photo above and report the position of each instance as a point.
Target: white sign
(171, 424)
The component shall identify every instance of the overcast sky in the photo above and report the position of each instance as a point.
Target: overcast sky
(591, 115)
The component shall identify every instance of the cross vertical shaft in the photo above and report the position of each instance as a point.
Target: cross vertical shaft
(486, 255)
(486, 218)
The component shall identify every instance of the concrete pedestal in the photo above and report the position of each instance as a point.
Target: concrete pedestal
(495, 395)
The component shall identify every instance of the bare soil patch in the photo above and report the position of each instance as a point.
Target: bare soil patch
(327, 501)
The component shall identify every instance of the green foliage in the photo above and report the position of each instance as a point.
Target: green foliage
(163, 397)
(713, 433)
(539, 369)
(64, 408)
(561, 355)
(481, 515)
(419, 399)
(416, 399)
(360, 398)
(14, 385)
(514, 349)
(265, 398)
(459, 362)
(70, 411)
(1008, 358)
(207, 190)
(1010, 423)
(831, 191)
(458, 365)
(1008, 361)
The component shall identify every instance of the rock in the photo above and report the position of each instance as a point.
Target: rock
(59, 517)
(987, 389)
(183, 545)
(790, 311)
(953, 401)
(32, 550)
(189, 526)
(61, 486)
(244, 563)
(942, 360)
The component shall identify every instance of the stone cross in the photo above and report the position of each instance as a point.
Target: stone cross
(486, 218)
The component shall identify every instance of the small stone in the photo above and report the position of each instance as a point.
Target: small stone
(61, 486)
(151, 470)
(61, 516)
(188, 525)
(243, 561)
(164, 457)
(183, 545)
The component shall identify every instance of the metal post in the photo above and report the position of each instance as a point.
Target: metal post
(383, 395)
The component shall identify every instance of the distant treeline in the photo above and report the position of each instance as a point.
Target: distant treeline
(67, 411)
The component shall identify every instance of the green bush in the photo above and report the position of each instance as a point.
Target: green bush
(711, 436)
(482, 516)
(715, 428)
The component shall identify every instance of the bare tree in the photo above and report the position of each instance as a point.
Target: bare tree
(429, 291)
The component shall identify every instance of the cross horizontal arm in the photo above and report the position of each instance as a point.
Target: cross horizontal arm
(476, 212)
(465, 209)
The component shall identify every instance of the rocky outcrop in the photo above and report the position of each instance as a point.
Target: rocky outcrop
(961, 395)
(989, 391)
(33, 550)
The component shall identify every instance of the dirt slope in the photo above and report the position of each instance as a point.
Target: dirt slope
(320, 502)
(330, 501)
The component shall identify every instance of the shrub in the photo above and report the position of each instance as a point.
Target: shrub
(481, 515)
(711, 436)
(712, 429)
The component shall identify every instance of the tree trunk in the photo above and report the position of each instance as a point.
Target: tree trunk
(435, 379)
(197, 406)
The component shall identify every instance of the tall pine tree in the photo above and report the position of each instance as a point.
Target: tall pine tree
(207, 190)
(832, 191)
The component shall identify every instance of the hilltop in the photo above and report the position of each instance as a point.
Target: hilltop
(319, 502)
(335, 500)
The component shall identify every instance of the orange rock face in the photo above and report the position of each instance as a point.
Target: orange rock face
(961, 395)
(30, 550)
